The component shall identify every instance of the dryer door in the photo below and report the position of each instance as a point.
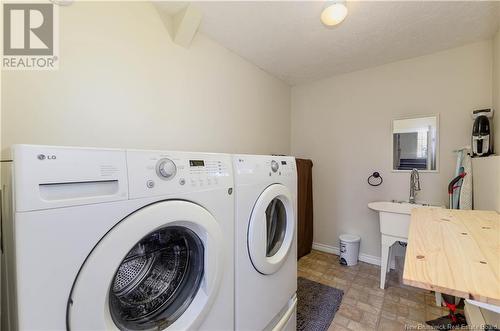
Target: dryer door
(159, 268)
(271, 229)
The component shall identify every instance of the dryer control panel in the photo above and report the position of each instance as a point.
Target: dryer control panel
(154, 173)
(252, 168)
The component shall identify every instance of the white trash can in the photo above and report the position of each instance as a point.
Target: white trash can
(349, 249)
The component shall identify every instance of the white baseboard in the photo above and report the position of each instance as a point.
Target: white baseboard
(326, 248)
(335, 250)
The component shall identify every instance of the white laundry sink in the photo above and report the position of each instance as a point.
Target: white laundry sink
(394, 226)
(394, 216)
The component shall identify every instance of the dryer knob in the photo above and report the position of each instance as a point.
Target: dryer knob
(166, 169)
(274, 166)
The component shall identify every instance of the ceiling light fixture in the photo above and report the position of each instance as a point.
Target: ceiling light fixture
(334, 13)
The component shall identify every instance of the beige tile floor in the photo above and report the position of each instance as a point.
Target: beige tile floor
(365, 306)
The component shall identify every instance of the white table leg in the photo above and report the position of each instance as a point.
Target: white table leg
(384, 263)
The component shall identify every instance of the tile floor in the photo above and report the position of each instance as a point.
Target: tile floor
(365, 306)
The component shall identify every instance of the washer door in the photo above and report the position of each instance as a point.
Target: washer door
(271, 229)
(159, 268)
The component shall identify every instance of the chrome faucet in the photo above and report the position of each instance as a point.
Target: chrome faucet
(414, 184)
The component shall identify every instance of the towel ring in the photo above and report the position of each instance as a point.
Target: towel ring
(375, 175)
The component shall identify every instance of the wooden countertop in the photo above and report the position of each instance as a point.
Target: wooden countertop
(455, 252)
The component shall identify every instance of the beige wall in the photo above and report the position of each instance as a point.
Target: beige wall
(496, 90)
(123, 83)
(344, 125)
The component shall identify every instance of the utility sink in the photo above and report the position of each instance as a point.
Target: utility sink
(395, 216)
(394, 227)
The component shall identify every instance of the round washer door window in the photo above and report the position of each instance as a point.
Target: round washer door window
(159, 268)
(271, 229)
(157, 279)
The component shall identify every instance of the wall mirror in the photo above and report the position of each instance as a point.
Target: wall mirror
(415, 143)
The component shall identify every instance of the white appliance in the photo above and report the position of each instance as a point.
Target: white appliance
(101, 239)
(486, 183)
(266, 242)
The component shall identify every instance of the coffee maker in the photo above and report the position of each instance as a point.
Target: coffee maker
(482, 132)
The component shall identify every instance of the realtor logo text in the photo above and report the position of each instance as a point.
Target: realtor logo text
(29, 39)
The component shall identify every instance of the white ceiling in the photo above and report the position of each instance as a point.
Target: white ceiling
(288, 40)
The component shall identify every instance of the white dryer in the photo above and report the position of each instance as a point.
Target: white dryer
(101, 239)
(266, 245)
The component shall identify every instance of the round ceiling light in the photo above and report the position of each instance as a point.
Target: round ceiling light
(334, 14)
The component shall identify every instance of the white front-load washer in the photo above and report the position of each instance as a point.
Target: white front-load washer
(266, 245)
(108, 239)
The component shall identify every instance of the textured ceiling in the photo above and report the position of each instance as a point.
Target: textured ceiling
(287, 39)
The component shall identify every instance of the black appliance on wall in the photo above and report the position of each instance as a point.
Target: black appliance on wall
(482, 132)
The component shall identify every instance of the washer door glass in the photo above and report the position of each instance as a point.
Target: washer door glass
(157, 279)
(271, 229)
(276, 226)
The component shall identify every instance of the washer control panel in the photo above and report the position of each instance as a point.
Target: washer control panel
(159, 173)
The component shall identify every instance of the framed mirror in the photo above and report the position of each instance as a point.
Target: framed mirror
(415, 143)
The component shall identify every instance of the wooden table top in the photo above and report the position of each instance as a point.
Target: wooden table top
(455, 252)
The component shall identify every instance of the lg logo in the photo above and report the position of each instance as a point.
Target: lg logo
(42, 157)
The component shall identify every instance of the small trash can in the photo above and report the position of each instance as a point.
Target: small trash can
(349, 249)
